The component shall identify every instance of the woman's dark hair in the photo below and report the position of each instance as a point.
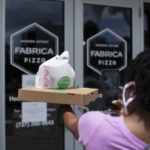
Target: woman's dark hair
(139, 71)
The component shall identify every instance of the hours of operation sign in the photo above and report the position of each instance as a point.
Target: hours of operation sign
(106, 50)
(31, 46)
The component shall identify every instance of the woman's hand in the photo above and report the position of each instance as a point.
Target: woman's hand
(119, 103)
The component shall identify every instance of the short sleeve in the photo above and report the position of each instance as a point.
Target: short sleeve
(87, 125)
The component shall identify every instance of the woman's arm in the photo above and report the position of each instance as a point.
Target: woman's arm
(70, 119)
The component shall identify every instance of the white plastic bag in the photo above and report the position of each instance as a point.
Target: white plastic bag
(55, 73)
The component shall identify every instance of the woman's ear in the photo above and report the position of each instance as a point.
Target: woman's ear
(130, 91)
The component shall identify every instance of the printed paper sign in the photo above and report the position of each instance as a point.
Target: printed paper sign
(32, 111)
(28, 80)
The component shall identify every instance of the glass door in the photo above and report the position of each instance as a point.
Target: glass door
(106, 39)
(35, 31)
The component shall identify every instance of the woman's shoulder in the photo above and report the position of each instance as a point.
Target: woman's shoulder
(98, 116)
(91, 116)
(90, 121)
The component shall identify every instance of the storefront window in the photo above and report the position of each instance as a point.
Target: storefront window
(34, 33)
(107, 46)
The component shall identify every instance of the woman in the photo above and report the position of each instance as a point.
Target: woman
(130, 131)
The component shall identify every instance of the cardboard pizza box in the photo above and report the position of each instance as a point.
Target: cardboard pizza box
(74, 96)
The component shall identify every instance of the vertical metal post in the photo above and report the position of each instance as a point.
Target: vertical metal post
(68, 137)
(2, 75)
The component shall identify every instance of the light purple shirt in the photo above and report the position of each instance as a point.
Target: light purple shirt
(98, 131)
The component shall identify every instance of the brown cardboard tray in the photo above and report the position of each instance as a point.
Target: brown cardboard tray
(74, 96)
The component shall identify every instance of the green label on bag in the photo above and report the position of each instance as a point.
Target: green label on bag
(64, 82)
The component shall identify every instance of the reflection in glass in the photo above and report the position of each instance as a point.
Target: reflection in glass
(98, 18)
(20, 14)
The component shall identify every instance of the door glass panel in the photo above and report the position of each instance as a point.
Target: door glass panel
(146, 26)
(107, 49)
(34, 33)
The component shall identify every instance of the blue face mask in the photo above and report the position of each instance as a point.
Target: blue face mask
(128, 100)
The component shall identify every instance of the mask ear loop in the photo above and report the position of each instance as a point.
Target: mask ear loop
(129, 99)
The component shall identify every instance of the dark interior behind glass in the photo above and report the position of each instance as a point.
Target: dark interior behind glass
(31, 136)
(98, 18)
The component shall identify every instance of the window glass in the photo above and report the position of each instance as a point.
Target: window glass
(107, 46)
(34, 33)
